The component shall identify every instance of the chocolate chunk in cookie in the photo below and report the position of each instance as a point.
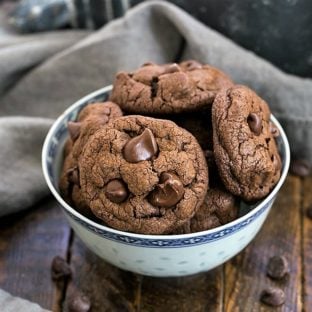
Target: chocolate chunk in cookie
(116, 191)
(162, 190)
(244, 146)
(169, 192)
(141, 147)
(169, 88)
(90, 119)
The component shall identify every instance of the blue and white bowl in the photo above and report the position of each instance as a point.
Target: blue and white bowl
(156, 255)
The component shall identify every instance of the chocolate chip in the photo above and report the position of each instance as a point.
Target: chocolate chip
(116, 191)
(74, 129)
(309, 212)
(169, 192)
(273, 296)
(192, 65)
(300, 167)
(277, 267)
(274, 130)
(60, 268)
(141, 147)
(255, 123)
(73, 175)
(78, 302)
(172, 68)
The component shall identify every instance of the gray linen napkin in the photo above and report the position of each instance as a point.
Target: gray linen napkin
(9, 303)
(41, 75)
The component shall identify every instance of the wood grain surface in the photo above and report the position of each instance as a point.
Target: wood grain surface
(307, 245)
(30, 240)
(28, 243)
(246, 274)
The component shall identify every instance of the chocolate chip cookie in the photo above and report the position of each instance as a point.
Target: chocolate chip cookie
(219, 207)
(90, 119)
(244, 146)
(169, 88)
(143, 175)
(197, 123)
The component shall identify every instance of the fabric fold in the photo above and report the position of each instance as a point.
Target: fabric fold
(76, 64)
(8, 303)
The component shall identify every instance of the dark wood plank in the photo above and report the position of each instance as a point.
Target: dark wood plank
(202, 292)
(108, 288)
(307, 244)
(28, 243)
(245, 275)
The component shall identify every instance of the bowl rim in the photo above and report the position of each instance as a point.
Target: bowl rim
(70, 210)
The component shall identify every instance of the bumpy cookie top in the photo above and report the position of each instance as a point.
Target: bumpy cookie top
(168, 88)
(244, 145)
(90, 119)
(219, 207)
(143, 175)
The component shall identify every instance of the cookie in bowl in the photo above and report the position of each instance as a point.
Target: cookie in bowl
(143, 175)
(168, 88)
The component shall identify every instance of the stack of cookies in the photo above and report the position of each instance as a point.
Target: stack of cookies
(174, 151)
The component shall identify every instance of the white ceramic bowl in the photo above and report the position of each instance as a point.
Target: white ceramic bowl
(156, 255)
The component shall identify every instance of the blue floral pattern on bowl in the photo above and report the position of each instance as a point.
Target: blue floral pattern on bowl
(181, 242)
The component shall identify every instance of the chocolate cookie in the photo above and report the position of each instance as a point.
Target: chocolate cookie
(197, 123)
(169, 88)
(244, 146)
(70, 186)
(143, 175)
(90, 119)
(219, 207)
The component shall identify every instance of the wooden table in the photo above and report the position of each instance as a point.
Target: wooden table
(31, 239)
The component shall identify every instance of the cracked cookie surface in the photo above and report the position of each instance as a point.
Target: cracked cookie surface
(244, 146)
(90, 118)
(143, 175)
(169, 88)
(219, 207)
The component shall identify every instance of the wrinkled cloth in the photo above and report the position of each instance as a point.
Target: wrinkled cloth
(41, 75)
(8, 303)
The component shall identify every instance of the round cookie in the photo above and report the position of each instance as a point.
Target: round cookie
(244, 146)
(219, 207)
(90, 119)
(169, 88)
(143, 175)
